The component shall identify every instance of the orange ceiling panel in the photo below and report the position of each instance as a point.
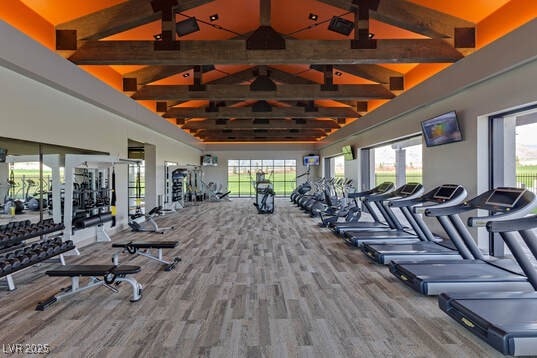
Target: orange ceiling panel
(506, 19)
(24, 18)
(60, 11)
(470, 10)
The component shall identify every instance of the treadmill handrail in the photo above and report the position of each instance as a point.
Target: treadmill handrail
(480, 221)
(396, 203)
(382, 197)
(449, 210)
(372, 191)
(526, 223)
(458, 199)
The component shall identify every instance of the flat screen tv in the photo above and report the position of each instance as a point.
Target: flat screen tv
(311, 160)
(441, 129)
(3, 155)
(347, 152)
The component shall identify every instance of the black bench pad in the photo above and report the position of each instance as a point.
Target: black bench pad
(149, 244)
(94, 270)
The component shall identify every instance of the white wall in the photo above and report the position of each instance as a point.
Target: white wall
(496, 78)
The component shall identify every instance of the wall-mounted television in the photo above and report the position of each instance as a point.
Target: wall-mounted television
(209, 160)
(311, 160)
(3, 155)
(348, 153)
(441, 129)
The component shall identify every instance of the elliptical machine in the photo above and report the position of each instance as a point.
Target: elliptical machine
(9, 200)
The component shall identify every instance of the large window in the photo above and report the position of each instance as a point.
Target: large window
(513, 157)
(241, 175)
(339, 166)
(399, 162)
(526, 156)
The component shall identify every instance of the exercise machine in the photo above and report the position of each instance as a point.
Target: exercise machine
(367, 197)
(358, 237)
(476, 273)
(148, 218)
(430, 247)
(505, 320)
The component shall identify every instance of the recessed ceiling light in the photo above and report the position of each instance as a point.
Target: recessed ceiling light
(157, 37)
(186, 74)
(338, 73)
(213, 17)
(313, 17)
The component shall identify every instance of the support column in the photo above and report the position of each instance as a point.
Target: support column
(4, 176)
(400, 167)
(150, 157)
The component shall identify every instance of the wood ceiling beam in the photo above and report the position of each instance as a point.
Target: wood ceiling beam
(232, 139)
(119, 18)
(150, 74)
(283, 92)
(274, 133)
(246, 112)
(373, 73)
(248, 124)
(234, 52)
(411, 16)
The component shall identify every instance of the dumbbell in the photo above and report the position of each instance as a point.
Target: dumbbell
(14, 262)
(22, 257)
(40, 253)
(5, 267)
(67, 244)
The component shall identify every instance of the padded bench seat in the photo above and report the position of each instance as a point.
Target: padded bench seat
(149, 245)
(94, 270)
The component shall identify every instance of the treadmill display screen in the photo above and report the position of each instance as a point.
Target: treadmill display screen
(383, 187)
(408, 189)
(505, 197)
(445, 192)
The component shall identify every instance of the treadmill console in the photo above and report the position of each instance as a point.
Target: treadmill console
(384, 187)
(410, 188)
(505, 197)
(446, 192)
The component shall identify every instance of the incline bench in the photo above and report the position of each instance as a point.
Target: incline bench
(134, 248)
(100, 275)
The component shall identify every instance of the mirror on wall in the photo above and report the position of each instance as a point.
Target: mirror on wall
(31, 179)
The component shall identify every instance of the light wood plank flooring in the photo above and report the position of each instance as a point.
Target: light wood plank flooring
(249, 285)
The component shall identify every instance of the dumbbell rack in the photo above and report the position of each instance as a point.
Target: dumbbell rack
(16, 254)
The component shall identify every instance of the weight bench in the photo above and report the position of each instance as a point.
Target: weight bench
(111, 274)
(134, 248)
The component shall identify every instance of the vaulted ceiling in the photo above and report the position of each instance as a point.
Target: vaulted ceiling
(264, 70)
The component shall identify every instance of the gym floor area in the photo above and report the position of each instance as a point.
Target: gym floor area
(248, 285)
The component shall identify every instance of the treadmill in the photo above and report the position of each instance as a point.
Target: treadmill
(477, 273)
(365, 197)
(432, 247)
(402, 195)
(505, 320)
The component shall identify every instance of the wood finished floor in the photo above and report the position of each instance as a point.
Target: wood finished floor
(249, 285)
